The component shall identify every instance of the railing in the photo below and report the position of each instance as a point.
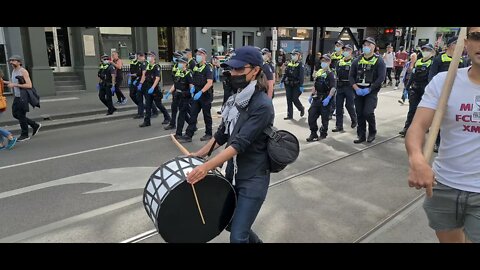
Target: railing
(165, 69)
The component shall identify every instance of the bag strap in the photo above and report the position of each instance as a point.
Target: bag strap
(272, 132)
(211, 148)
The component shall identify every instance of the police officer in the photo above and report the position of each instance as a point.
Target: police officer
(344, 89)
(150, 86)
(176, 96)
(268, 70)
(440, 64)
(191, 61)
(141, 69)
(293, 81)
(203, 97)
(417, 83)
(106, 83)
(132, 76)
(227, 87)
(337, 55)
(321, 99)
(182, 83)
(366, 76)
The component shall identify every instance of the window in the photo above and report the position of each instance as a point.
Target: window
(221, 41)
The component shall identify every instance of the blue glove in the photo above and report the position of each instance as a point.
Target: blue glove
(326, 101)
(310, 99)
(366, 91)
(301, 89)
(134, 82)
(113, 90)
(129, 81)
(98, 87)
(197, 95)
(150, 91)
(167, 95)
(139, 87)
(192, 90)
(281, 85)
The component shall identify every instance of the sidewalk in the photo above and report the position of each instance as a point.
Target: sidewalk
(87, 103)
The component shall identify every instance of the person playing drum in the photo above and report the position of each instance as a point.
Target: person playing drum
(244, 117)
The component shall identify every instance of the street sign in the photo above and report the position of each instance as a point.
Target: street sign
(274, 46)
(274, 34)
(398, 32)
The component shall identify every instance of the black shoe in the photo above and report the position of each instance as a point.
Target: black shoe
(184, 139)
(313, 137)
(138, 116)
(219, 112)
(324, 136)
(401, 101)
(302, 112)
(287, 118)
(36, 129)
(112, 111)
(169, 127)
(359, 140)
(166, 121)
(338, 129)
(176, 136)
(371, 138)
(144, 124)
(206, 138)
(154, 115)
(23, 138)
(354, 124)
(403, 132)
(435, 148)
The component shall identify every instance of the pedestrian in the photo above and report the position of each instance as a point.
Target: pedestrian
(281, 61)
(267, 69)
(118, 64)
(389, 59)
(7, 140)
(453, 206)
(245, 116)
(401, 57)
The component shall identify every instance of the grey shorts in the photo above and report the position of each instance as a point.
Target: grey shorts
(450, 208)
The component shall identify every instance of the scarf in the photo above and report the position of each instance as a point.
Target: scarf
(230, 113)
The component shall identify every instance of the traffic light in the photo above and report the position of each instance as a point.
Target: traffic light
(389, 31)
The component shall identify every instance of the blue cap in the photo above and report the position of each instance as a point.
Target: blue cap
(245, 55)
(452, 40)
(428, 46)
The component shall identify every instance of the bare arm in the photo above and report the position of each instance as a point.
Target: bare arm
(270, 84)
(201, 171)
(27, 84)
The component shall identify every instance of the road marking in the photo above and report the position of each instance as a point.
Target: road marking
(59, 99)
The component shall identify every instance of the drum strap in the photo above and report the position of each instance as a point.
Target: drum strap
(211, 148)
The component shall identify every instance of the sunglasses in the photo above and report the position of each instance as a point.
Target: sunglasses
(241, 69)
(474, 36)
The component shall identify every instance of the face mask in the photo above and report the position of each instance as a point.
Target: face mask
(198, 58)
(265, 57)
(180, 65)
(174, 59)
(337, 49)
(105, 61)
(294, 57)
(149, 59)
(239, 81)
(426, 54)
(346, 54)
(324, 65)
(367, 50)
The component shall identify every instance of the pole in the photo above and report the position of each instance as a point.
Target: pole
(314, 51)
(274, 49)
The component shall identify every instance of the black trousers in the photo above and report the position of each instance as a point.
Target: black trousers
(133, 93)
(317, 109)
(398, 71)
(105, 96)
(365, 108)
(293, 94)
(345, 96)
(118, 92)
(156, 98)
(203, 104)
(184, 108)
(389, 75)
(19, 112)
(175, 106)
(414, 98)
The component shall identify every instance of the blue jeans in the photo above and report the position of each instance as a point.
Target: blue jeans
(4, 133)
(249, 202)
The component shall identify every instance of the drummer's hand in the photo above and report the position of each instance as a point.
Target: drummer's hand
(197, 174)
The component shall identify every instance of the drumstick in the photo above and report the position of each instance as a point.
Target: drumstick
(442, 103)
(186, 152)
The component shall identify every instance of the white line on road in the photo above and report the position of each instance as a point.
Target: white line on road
(59, 99)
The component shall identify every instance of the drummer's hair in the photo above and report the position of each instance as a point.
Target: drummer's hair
(261, 79)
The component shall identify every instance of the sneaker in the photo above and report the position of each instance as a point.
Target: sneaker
(395, 88)
(23, 138)
(322, 137)
(313, 137)
(35, 130)
(184, 139)
(401, 101)
(206, 138)
(337, 129)
(144, 124)
(11, 143)
(359, 140)
(166, 121)
(124, 101)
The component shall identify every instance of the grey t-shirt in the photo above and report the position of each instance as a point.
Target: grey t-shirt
(15, 73)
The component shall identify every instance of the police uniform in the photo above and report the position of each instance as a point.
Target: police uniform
(344, 94)
(267, 69)
(201, 73)
(227, 87)
(105, 73)
(152, 72)
(367, 73)
(139, 94)
(135, 74)
(324, 82)
(416, 85)
(182, 82)
(293, 80)
(176, 95)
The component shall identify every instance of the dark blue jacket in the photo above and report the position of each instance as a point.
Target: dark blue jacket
(250, 142)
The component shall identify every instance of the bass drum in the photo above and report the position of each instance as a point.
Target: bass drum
(170, 202)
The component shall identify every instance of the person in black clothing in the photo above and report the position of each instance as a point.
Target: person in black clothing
(182, 83)
(440, 64)
(203, 97)
(267, 69)
(132, 76)
(227, 87)
(366, 76)
(106, 83)
(142, 65)
(281, 61)
(417, 83)
(177, 95)
(150, 86)
(191, 61)
(293, 80)
(344, 90)
(246, 150)
(321, 99)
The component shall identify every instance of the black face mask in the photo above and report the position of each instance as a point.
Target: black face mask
(239, 81)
